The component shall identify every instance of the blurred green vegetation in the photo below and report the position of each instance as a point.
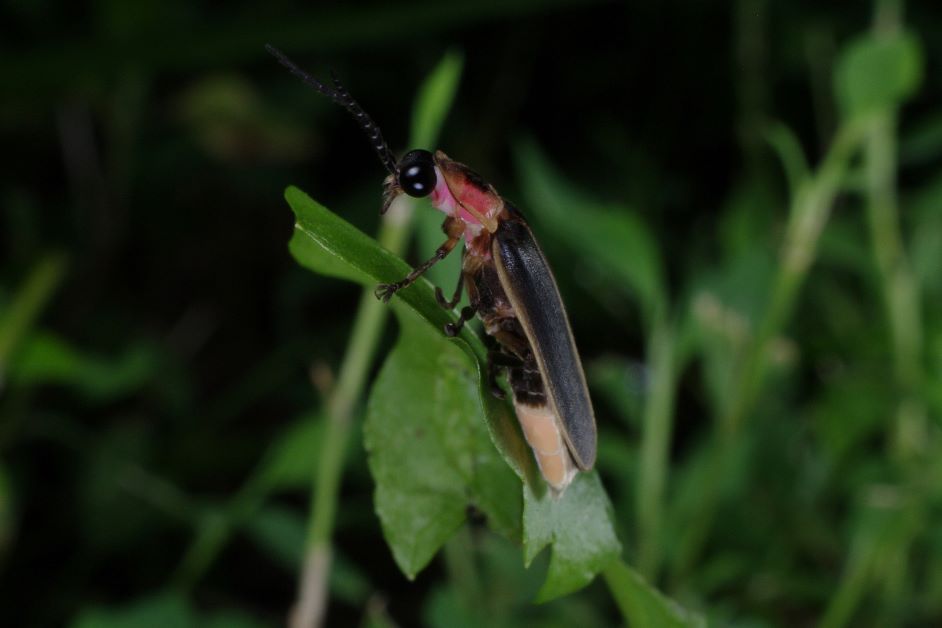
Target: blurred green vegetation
(742, 203)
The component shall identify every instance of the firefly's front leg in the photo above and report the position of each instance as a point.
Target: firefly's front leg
(385, 291)
(454, 229)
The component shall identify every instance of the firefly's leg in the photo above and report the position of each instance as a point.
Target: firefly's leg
(497, 361)
(452, 329)
(450, 305)
(385, 291)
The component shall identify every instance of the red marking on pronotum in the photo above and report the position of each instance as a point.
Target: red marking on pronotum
(510, 288)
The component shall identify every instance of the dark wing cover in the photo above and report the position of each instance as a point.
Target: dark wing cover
(530, 286)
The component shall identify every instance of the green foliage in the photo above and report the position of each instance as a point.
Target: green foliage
(329, 245)
(748, 249)
(428, 450)
(430, 456)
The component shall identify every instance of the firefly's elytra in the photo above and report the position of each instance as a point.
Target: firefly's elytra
(510, 288)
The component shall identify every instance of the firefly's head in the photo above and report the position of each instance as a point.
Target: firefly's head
(415, 174)
(419, 173)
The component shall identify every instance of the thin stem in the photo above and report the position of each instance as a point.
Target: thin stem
(368, 324)
(900, 290)
(655, 446)
(897, 283)
(900, 294)
(435, 98)
(808, 215)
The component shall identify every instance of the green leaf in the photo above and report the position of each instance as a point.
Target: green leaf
(877, 72)
(643, 606)
(428, 451)
(325, 243)
(579, 525)
(612, 239)
(47, 359)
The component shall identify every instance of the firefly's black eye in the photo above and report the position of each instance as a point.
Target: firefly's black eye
(417, 173)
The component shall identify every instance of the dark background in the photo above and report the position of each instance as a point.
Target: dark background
(146, 147)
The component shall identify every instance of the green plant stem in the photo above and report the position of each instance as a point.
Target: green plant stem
(435, 98)
(808, 214)
(655, 446)
(900, 294)
(364, 340)
(215, 527)
(898, 283)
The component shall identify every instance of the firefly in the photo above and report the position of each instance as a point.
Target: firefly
(510, 287)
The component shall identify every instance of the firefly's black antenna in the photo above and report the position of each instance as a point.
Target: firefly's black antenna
(341, 96)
